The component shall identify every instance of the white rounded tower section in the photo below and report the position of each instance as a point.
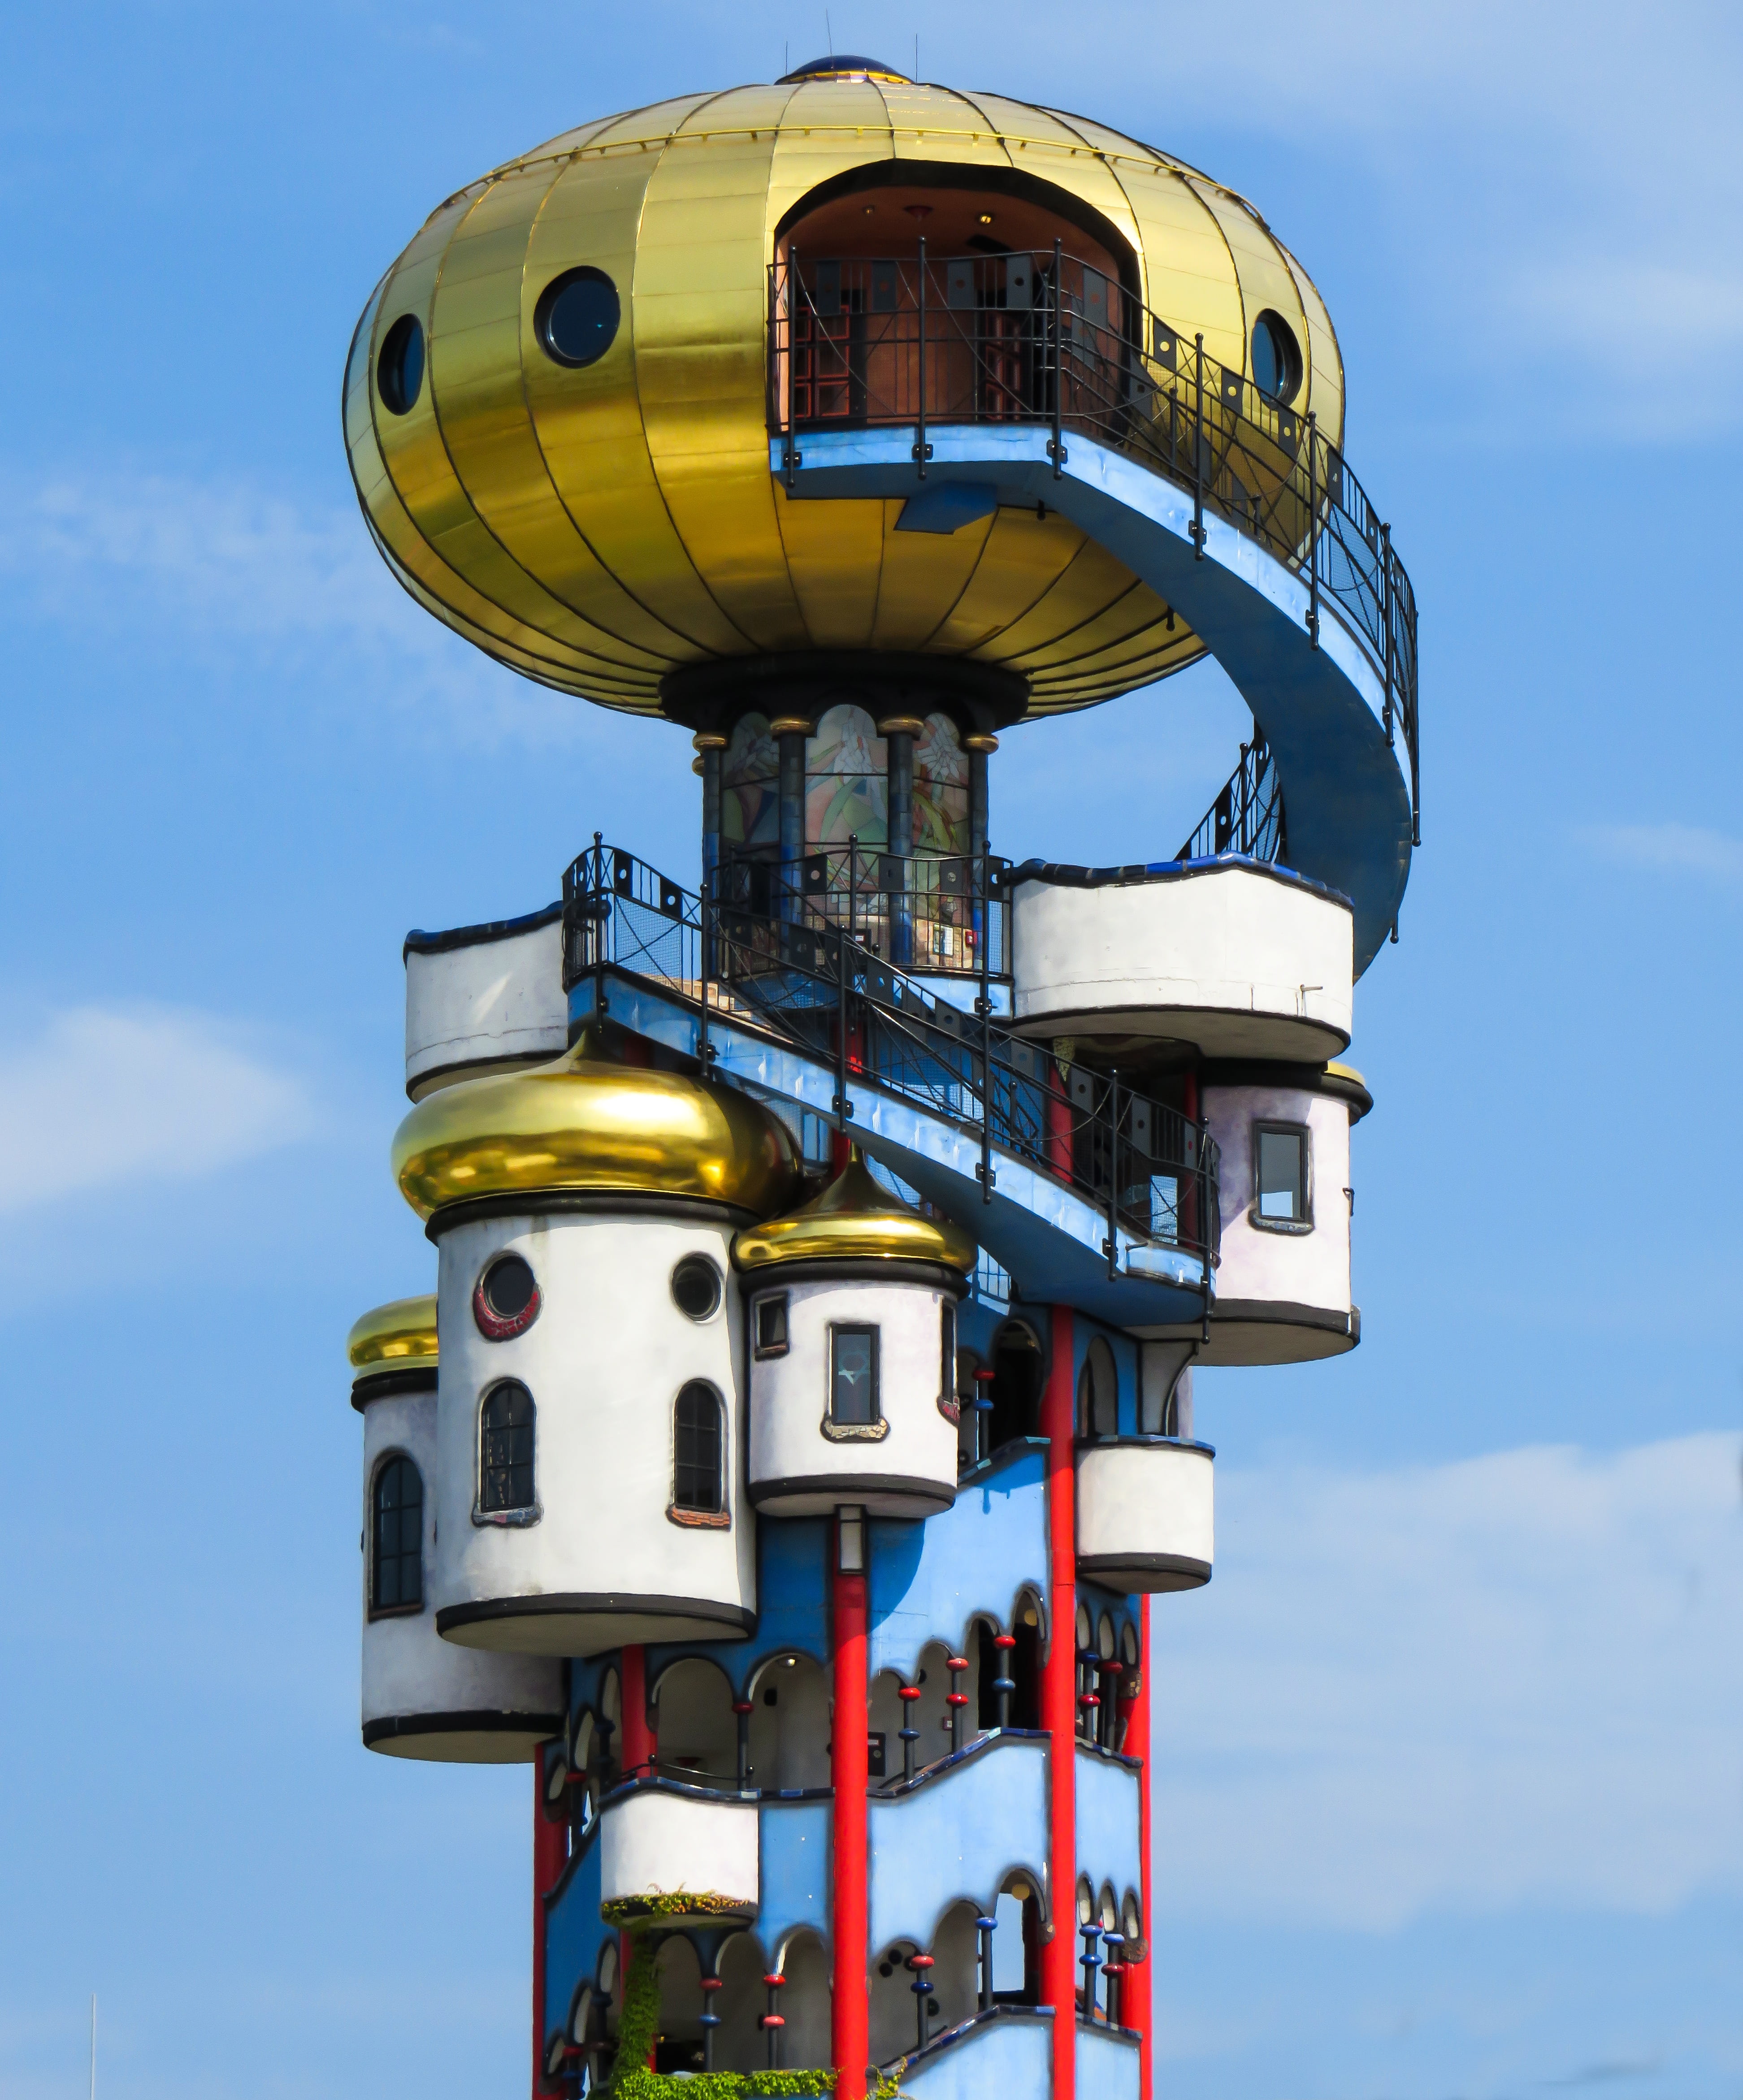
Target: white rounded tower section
(591, 1460)
(851, 1306)
(423, 1697)
(590, 1432)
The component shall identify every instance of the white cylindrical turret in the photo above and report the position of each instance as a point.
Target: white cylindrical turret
(423, 1697)
(591, 1431)
(851, 1303)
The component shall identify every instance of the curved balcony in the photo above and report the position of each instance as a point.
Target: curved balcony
(483, 999)
(1146, 1513)
(1241, 959)
(966, 389)
(659, 1840)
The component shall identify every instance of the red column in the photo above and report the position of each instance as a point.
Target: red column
(1059, 1708)
(638, 1744)
(550, 1853)
(1135, 2008)
(851, 2011)
(1058, 1124)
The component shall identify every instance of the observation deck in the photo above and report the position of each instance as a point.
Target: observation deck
(972, 384)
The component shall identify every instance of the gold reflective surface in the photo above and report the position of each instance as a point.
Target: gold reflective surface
(399, 1336)
(854, 1219)
(596, 527)
(592, 1120)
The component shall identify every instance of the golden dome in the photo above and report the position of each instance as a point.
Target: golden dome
(599, 524)
(854, 1219)
(398, 1337)
(592, 1120)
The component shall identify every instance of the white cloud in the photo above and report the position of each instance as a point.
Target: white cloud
(1514, 1679)
(102, 1096)
(1683, 848)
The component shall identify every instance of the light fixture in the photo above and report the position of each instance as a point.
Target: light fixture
(985, 218)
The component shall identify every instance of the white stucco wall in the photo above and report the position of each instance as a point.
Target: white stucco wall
(1140, 1499)
(654, 1841)
(1297, 1268)
(790, 1401)
(411, 1674)
(604, 1361)
(490, 1003)
(1244, 964)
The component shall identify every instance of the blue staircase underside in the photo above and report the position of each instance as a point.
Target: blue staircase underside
(1322, 709)
(1051, 1240)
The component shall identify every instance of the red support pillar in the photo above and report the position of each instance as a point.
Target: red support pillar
(551, 1854)
(1058, 1111)
(850, 2019)
(1137, 2003)
(1059, 1707)
(637, 1749)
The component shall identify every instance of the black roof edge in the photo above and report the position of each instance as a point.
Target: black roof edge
(418, 942)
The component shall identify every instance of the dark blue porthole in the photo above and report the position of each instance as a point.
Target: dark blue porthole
(399, 369)
(1277, 358)
(577, 316)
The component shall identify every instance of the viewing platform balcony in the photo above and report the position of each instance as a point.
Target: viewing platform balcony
(659, 1840)
(1146, 1513)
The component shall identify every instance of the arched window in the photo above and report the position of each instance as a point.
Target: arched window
(698, 1452)
(1098, 1393)
(504, 1456)
(396, 1573)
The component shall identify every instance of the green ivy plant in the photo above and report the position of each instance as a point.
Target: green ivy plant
(638, 2029)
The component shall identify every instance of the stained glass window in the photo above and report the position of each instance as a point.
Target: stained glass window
(846, 780)
(941, 789)
(750, 771)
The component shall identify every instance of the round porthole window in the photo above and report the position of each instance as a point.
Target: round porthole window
(1277, 358)
(506, 1301)
(399, 369)
(577, 315)
(695, 1287)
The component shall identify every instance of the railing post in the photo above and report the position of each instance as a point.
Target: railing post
(841, 1109)
(1386, 619)
(985, 1003)
(704, 1050)
(1113, 1247)
(1198, 453)
(921, 448)
(1057, 447)
(599, 924)
(1313, 528)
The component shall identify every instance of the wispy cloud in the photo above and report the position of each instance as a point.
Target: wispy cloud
(1512, 1680)
(1679, 848)
(98, 1097)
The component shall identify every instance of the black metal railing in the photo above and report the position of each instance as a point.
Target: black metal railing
(812, 983)
(939, 915)
(1247, 815)
(1043, 337)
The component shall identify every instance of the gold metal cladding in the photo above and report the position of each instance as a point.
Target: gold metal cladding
(986, 744)
(596, 528)
(397, 1337)
(589, 1121)
(854, 1219)
(707, 740)
(790, 726)
(902, 725)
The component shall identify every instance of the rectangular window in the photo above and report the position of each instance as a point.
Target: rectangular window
(853, 1376)
(947, 1395)
(771, 1326)
(1281, 1164)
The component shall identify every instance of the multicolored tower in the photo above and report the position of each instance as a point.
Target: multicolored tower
(803, 1421)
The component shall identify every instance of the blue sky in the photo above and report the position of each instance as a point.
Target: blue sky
(1451, 1783)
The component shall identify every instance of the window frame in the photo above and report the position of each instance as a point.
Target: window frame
(761, 1353)
(1276, 1127)
(720, 1517)
(878, 1426)
(396, 1456)
(520, 1513)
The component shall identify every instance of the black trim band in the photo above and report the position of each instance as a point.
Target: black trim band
(594, 1604)
(1277, 1072)
(418, 942)
(1063, 875)
(1283, 1312)
(380, 1385)
(871, 1269)
(854, 1488)
(471, 1721)
(552, 1202)
(432, 1081)
(1196, 1572)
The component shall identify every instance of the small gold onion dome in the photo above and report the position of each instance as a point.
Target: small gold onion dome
(397, 1337)
(594, 1121)
(854, 1219)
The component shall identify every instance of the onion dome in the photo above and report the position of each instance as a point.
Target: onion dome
(557, 402)
(853, 1220)
(393, 1349)
(592, 1123)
